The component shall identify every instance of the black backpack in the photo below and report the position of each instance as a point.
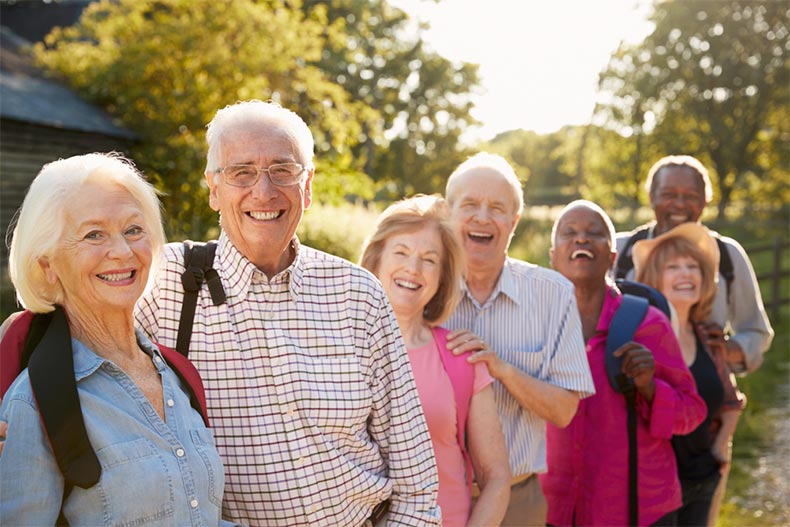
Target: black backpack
(625, 321)
(625, 260)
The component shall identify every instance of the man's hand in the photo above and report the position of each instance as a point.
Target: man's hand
(714, 337)
(3, 432)
(464, 341)
(638, 365)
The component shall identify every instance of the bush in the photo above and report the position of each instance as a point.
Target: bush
(337, 229)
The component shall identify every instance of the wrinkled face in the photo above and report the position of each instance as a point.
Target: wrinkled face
(260, 220)
(485, 214)
(410, 268)
(678, 197)
(681, 281)
(103, 257)
(582, 246)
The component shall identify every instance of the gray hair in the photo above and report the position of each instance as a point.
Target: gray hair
(39, 224)
(493, 162)
(248, 114)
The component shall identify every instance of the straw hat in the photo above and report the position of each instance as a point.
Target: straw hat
(696, 233)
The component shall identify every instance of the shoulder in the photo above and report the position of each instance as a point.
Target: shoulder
(526, 274)
(20, 390)
(319, 264)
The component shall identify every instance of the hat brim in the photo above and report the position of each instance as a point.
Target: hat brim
(696, 233)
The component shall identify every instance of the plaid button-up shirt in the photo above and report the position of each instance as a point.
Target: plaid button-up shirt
(309, 390)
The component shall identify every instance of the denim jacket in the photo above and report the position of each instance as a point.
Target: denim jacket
(154, 472)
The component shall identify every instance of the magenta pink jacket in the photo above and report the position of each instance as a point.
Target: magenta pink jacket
(587, 478)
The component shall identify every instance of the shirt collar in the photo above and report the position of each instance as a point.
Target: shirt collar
(239, 273)
(506, 284)
(611, 302)
(86, 361)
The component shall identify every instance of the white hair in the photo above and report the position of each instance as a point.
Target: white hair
(493, 162)
(249, 114)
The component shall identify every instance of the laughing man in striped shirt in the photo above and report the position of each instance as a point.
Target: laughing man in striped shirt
(309, 389)
(527, 322)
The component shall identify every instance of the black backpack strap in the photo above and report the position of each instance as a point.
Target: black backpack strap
(653, 295)
(51, 371)
(725, 265)
(622, 328)
(625, 261)
(198, 268)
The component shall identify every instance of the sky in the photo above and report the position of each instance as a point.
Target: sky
(539, 59)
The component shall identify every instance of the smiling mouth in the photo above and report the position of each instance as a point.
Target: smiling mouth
(679, 218)
(116, 277)
(480, 237)
(684, 287)
(582, 253)
(407, 284)
(264, 216)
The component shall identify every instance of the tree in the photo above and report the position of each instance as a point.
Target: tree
(376, 53)
(165, 66)
(711, 80)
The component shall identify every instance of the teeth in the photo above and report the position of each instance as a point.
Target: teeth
(116, 277)
(407, 284)
(579, 253)
(683, 287)
(677, 217)
(264, 215)
(481, 235)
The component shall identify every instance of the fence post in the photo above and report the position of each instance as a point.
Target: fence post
(776, 280)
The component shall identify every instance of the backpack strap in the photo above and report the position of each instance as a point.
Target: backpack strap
(51, 371)
(623, 326)
(198, 262)
(625, 261)
(462, 379)
(725, 265)
(653, 296)
(187, 372)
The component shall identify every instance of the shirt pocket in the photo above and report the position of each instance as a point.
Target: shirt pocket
(331, 393)
(529, 360)
(135, 484)
(213, 477)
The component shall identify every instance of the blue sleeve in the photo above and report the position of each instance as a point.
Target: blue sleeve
(31, 482)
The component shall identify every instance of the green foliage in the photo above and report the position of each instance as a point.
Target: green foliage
(376, 53)
(712, 81)
(165, 67)
(337, 229)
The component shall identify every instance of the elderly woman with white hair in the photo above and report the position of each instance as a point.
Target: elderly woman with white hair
(85, 241)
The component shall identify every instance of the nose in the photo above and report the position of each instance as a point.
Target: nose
(119, 247)
(413, 264)
(263, 187)
(481, 213)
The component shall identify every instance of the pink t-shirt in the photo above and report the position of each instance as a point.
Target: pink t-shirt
(438, 403)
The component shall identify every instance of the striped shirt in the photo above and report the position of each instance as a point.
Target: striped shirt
(532, 322)
(309, 390)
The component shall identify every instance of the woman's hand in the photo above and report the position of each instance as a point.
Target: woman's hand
(638, 365)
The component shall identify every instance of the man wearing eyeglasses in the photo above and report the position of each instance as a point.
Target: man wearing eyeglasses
(309, 390)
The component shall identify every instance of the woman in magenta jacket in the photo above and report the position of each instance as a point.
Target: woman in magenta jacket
(587, 480)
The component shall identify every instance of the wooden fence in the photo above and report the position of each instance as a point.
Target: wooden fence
(776, 280)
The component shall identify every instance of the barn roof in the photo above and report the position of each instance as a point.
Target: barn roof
(27, 95)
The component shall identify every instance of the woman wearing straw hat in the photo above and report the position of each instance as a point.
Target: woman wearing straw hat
(682, 264)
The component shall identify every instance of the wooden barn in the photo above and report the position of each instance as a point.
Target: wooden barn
(41, 120)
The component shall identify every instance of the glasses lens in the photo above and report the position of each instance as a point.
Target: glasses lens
(286, 173)
(241, 175)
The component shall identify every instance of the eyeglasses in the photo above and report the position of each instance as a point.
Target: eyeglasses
(280, 174)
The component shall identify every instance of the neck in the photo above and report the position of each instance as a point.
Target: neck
(416, 332)
(590, 297)
(481, 281)
(110, 335)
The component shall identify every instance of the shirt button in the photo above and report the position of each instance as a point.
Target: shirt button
(299, 462)
(277, 361)
(194, 504)
(171, 403)
(180, 452)
(291, 412)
